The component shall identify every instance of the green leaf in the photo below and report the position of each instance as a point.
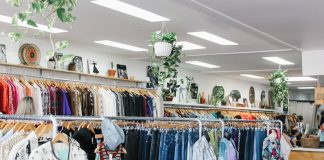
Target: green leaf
(37, 7)
(14, 20)
(61, 45)
(61, 14)
(23, 16)
(51, 1)
(31, 23)
(15, 3)
(15, 36)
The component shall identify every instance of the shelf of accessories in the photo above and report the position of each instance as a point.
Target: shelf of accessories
(41, 69)
(206, 106)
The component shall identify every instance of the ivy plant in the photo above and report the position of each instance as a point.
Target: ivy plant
(49, 10)
(279, 88)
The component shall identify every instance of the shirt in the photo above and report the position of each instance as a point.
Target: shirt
(203, 150)
(7, 145)
(22, 150)
(58, 151)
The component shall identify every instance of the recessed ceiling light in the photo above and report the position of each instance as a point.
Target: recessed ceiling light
(212, 38)
(296, 79)
(252, 76)
(202, 64)
(130, 10)
(121, 45)
(7, 19)
(306, 87)
(278, 60)
(189, 46)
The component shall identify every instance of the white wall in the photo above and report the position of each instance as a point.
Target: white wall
(135, 68)
(301, 95)
(312, 62)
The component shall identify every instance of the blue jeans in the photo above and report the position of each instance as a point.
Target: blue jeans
(169, 146)
(162, 139)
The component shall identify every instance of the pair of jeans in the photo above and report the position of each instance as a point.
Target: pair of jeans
(147, 145)
(155, 142)
(162, 139)
(131, 144)
(184, 146)
(168, 149)
(178, 146)
(242, 144)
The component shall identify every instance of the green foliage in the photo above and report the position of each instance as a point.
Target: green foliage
(60, 45)
(279, 88)
(217, 94)
(163, 37)
(112, 65)
(14, 36)
(48, 9)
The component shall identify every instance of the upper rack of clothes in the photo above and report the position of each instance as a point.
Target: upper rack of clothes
(45, 97)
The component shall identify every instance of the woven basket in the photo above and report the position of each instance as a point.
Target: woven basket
(310, 142)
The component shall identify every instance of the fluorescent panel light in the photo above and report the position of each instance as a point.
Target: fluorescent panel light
(306, 87)
(296, 79)
(120, 45)
(212, 38)
(130, 10)
(202, 64)
(278, 60)
(252, 76)
(7, 19)
(189, 46)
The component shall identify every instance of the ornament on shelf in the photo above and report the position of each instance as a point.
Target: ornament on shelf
(95, 69)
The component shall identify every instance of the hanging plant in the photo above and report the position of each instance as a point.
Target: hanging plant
(279, 88)
(162, 41)
(49, 10)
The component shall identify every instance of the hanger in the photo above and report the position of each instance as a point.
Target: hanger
(39, 129)
(7, 128)
(90, 127)
(60, 137)
(28, 127)
(71, 125)
(47, 129)
(17, 126)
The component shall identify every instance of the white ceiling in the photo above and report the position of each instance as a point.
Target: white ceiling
(261, 28)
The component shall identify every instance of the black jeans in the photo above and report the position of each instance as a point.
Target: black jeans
(131, 144)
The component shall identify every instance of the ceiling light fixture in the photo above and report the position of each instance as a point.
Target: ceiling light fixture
(7, 19)
(202, 64)
(189, 46)
(296, 79)
(288, 83)
(278, 60)
(252, 76)
(212, 38)
(130, 10)
(306, 87)
(120, 45)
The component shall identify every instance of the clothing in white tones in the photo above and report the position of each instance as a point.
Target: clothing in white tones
(37, 99)
(285, 148)
(20, 91)
(159, 106)
(300, 127)
(21, 150)
(7, 145)
(49, 151)
(6, 136)
(1, 134)
(111, 104)
(103, 100)
(202, 150)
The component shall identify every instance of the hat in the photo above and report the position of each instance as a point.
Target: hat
(113, 134)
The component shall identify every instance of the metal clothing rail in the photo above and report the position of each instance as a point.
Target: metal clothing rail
(268, 122)
(162, 119)
(216, 120)
(77, 81)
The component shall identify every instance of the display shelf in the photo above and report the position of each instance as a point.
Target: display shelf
(41, 69)
(206, 106)
(308, 149)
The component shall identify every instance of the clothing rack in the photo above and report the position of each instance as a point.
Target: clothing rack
(70, 80)
(216, 120)
(268, 122)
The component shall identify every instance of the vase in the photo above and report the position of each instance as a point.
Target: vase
(162, 49)
(111, 73)
(169, 98)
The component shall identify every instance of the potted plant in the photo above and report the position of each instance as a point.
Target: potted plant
(279, 90)
(169, 93)
(217, 95)
(162, 43)
(111, 72)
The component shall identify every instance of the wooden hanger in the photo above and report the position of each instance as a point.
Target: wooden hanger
(47, 129)
(17, 126)
(90, 127)
(60, 137)
(28, 127)
(39, 129)
(8, 127)
(71, 125)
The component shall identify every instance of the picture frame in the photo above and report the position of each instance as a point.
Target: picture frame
(122, 71)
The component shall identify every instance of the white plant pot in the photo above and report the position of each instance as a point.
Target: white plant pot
(162, 49)
(51, 64)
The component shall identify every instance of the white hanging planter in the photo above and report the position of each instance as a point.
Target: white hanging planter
(162, 49)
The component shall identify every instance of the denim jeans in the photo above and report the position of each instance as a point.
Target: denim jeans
(147, 145)
(162, 139)
(184, 145)
(154, 150)
(169, 146)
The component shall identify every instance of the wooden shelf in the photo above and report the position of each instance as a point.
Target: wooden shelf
(206, 106)
(70, 72)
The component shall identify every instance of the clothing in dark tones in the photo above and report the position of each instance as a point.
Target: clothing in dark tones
(87, 142)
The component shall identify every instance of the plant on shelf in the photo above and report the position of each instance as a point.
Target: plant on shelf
(50, 10)
(236, 95)
(111, 72)
(279, 89)
(164, 68)
(217, 95)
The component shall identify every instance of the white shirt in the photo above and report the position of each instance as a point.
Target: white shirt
(37, 99)
(21, 150)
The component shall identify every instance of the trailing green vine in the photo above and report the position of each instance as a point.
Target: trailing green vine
(279, 88)
(49, 10)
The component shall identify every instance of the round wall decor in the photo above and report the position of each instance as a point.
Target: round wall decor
(29, 54)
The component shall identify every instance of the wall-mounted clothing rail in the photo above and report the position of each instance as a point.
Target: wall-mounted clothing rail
(71, 80)
(216, 120)
(268, 122)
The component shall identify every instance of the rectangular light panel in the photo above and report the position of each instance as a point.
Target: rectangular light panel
(299, 79)
(278, 60)
(306, 87)
(202, 64)
(130, 10)
(252, 76)
(189, 46)
(40, 27)
(120, 45)
(212, 38)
